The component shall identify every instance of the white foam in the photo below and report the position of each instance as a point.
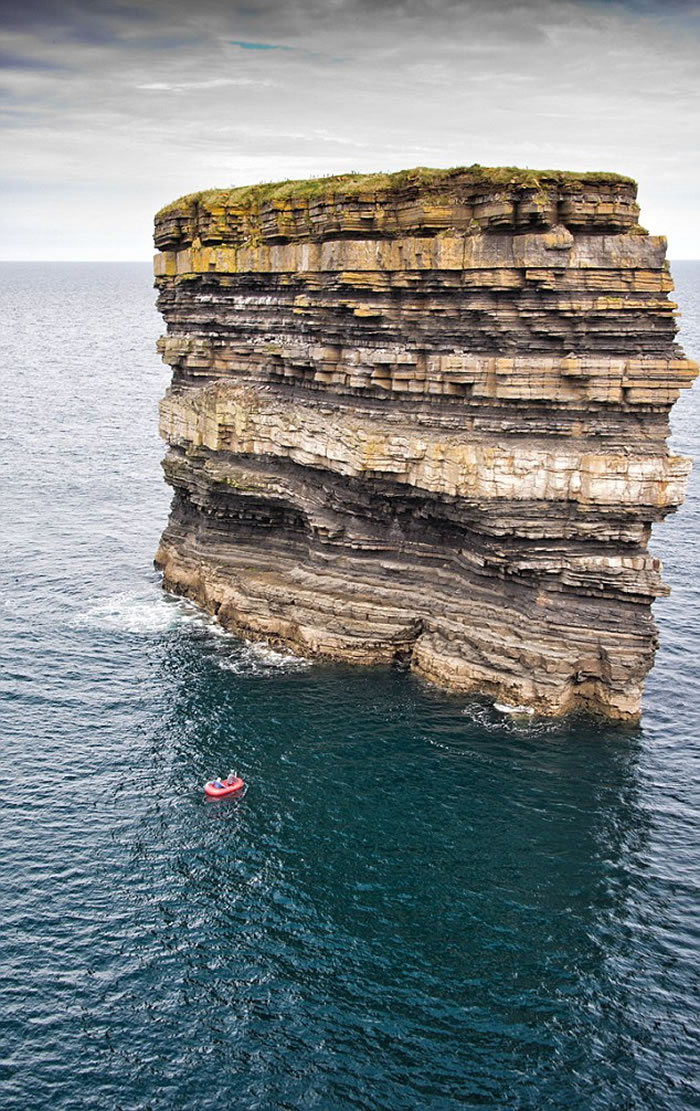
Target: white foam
(259, 659)
(141, 614)
(502, 718)
(484, 718)
(216, 629)
(504, 708)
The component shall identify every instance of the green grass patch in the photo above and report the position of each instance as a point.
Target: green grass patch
(253, 197)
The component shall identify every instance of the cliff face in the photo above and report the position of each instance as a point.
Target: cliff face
(422, 418)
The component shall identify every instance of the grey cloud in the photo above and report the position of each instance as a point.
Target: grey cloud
(214, 83)
(94, 23)
(155, 100)
(49, 15)
(9, 60)
(244, 45)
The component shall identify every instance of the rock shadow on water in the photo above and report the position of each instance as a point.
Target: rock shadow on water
(403, 883)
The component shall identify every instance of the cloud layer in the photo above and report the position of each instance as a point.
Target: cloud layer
(112, 109)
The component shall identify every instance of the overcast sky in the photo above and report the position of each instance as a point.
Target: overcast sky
(112, 109)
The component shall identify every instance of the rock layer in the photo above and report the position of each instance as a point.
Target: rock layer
(421, 418)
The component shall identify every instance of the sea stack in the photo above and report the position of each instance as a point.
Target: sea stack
(421, 418)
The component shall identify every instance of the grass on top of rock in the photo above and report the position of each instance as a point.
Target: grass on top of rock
(354, 184)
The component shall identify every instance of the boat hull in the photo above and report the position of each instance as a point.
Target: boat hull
(214, 792)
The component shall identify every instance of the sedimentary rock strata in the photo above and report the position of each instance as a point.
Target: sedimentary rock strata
(421, 418)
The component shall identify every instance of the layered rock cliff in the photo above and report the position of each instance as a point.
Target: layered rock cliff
(422, 418)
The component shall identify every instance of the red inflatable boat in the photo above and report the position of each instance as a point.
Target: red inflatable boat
(229, 786)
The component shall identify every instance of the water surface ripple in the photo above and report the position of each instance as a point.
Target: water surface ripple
(415, 905)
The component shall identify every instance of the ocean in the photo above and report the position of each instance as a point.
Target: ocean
(416, 904)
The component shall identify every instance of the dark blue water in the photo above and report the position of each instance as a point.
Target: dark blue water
(416, 905)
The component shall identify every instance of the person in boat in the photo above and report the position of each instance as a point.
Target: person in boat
(219, 785)
(231, 779)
